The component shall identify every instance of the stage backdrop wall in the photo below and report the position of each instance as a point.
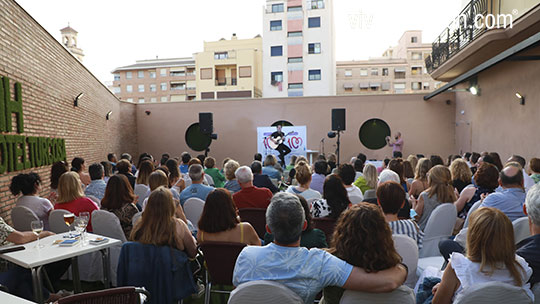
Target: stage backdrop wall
(427, 127)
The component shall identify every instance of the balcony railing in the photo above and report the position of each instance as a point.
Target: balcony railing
(462, 31)
(226, 81)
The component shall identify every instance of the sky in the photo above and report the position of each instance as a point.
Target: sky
(115, 33)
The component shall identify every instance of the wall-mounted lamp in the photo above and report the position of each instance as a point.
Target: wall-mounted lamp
(521, 98)
(474, 90)
(108, 115)
(76, 100)
(147, 112)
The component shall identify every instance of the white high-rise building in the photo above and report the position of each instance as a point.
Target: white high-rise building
(298, 48)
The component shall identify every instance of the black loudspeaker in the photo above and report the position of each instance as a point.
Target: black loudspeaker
(338, 119)
(206, 123)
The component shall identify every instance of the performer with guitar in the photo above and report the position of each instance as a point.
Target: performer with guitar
(276, 143)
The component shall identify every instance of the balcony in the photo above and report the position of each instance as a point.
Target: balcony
(226, 81)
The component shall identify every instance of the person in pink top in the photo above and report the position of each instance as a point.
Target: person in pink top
(71, 197)
(397, 144)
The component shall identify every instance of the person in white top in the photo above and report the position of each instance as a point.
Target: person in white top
(142, 190)
(303, 176)
(29, 185)
(348, 174)
(491, 256)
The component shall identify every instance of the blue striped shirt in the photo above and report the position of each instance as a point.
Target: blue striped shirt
(408, 228)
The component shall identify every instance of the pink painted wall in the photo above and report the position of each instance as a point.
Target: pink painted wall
(294, 50)
(294, 3)
(295, 25)
(296, 76)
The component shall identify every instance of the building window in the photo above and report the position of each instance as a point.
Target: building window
(374, 86)
(141, 88)
(221, 55)
(348, 90)
(416, 86)
(314, 74)
(141, 100)
(416, 71)
(295, 59)
(206, 73)
(294, 9)
(276, 51)
(314, 48)
(163, 98)
(178, 73)
(275, 25)
(277, 8)
(129, 88)
(244, 72)
(294, 34)
(153, 99)
(348, 73)
(296, 86)
(276, 77)
(178, 86)
(374, 72)
(164, 86)
(153, 87)
(416, 55)
(385, 71)
(117, 90)
(426, 86)
(399, 87)
(140, 74)
(152, 74)
(163, 72)
(314, 22)
(129, 100)
(414, 39)
(399, 73)
(317, 4)
(128, 75)
(363, 72)
(385, 86)
(116, 77)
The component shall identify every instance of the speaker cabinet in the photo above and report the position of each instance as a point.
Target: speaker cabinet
(206, 123)
(338, 119)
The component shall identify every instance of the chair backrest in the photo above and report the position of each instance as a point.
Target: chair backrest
(141, 191)
(263, 292)
(355, 199)
(521, 229)
(119, 295)
(493, 293)
(408, 250)
(256, 217)
(473, 208)
(220, 259)
(56, 221)
(402, 295)
(536, 292)
(193, 208)
(22, 217)
(107, 224)
(311, 200)
(327, 225)
(135, 218)
(369, 194)
(209, 180)
(95, 200)
(275, 181)
(439, 226)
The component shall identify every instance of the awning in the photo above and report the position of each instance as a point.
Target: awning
(399, 70)
(178, 69)
(374, 84)
(348, 85)
(364, 85)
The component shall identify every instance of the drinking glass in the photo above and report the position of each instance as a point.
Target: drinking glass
(84, 219)
(68, 219)
(37, 227)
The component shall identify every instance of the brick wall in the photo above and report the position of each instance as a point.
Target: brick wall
(51, 78)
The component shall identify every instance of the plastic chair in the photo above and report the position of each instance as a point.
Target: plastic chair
(220, 259)
(142, 192)
(95, 200)
(256, 217)
(22, 217)
(327, 225)
(135, 218)
(493, 293)
(536, 292)
(107, 224)
(193, 208)
(369, 194)
(356, 199)
(521, 229)
(439, 226)
(56, 221)
(263, 292)
(473, 208)
(402, 295)
(408, 250)
(119, 295)
(275, 181)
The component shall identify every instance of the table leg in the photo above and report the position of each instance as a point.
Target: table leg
(75, 274)
(106, 261)
(36, 280)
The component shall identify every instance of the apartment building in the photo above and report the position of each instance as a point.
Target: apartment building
(156, 80)
(401, 69)
(298, 48)
(230, 69)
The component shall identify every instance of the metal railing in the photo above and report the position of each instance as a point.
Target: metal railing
(226, 81)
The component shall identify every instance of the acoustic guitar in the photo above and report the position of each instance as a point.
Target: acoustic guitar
(278, 140)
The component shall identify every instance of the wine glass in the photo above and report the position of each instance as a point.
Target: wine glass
(68, 219)
(37, 227)
(80, 225)
(85, 218)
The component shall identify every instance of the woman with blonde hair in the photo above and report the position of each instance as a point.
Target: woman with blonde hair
(269, 167)
(369, 179)
(440, 191)
(461, 174)
(71, 197)
(158, 225)
(303, 176)
(232, 184)
(491, 256)
(158, 179)
(413, 160)
(420, 182)
(141, 184)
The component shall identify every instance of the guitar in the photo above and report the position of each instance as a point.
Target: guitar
(278, 140)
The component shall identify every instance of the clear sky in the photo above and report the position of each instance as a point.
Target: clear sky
(114, 33)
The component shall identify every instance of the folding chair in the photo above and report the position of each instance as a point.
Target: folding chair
(256, 217)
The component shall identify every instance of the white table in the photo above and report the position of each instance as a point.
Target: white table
(34, 259)
(11, 299)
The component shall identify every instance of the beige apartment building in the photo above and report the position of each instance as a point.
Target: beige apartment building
(401, 69)
(230, 69)
(156, 80)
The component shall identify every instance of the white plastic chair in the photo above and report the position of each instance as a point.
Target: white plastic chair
(135, 218)
(193, 208)
(56, 221)
(521, 229)
(142, 191)
(402, 295)
(209, 179)
(439, 227)
(473, 208)
(355, 199)
(408, 250)
(263, 292)
(22, 217)
(275, 181)
(369, 194)
(536, 292)
(493, 293)
(95, 200)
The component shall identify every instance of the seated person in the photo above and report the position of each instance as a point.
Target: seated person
(304, 271)
(158, 179)
(96, 188)
(303, 176)
(250, 196)
(363, 239)
(196, 189)
(219, 221)
(262, 180)
(334, 201)
(486, 180)
(29, 185)
(124, 168)
(229, 169)
(318, 177)
(269, 168)
(368, 179)
(120, 200)
(219, 179)
(347, 173)
(529, 248)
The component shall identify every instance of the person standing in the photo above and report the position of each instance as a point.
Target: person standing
(397, 144)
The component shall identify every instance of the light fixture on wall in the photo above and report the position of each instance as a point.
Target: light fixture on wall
(108, 115)
(76, 100)
(521, 98)
(473, 87)
(147, 112)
